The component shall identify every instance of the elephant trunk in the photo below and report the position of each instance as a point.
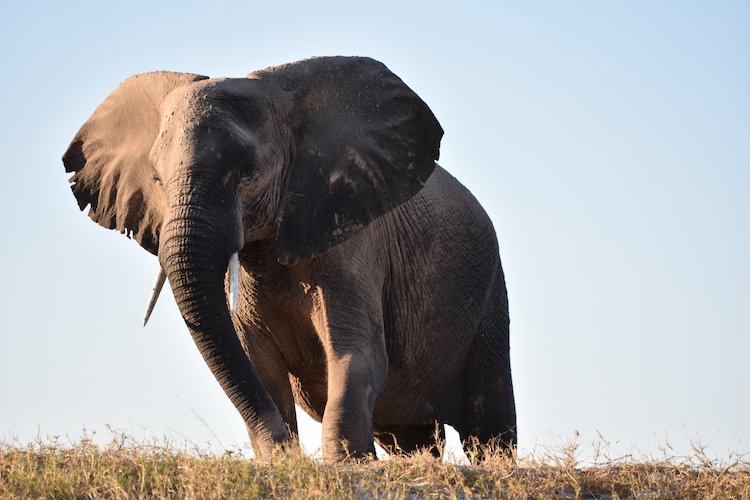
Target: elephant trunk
(195, 249)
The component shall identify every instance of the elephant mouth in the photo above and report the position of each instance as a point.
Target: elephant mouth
(233, 269)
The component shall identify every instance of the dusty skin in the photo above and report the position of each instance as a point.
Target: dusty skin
(370, 289)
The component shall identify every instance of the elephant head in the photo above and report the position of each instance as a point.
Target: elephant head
(193, 168)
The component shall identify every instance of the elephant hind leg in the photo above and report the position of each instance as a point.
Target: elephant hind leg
(489, 420)
(406, 439)
(481, 444)
(489, 412)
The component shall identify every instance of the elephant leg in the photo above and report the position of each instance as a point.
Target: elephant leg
(490, 425)
(489, 412)
(406, 439)
(489, 422)
(354, 382)
(351, 331)
(272, 370)
(489, 409)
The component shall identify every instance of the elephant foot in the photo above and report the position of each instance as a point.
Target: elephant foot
(408, 439)
(342, 450)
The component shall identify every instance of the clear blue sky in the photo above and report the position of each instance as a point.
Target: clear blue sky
(609, 142)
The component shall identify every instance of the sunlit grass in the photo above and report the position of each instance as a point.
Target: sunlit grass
(126, 468)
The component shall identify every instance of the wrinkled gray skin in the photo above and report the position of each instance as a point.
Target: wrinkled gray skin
(371, 290)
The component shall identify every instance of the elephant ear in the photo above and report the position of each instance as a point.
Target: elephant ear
(364, 144)
(110, 158)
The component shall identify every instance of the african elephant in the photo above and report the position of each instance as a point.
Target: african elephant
(365, 282)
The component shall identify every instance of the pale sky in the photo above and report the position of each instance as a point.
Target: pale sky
(608, 141)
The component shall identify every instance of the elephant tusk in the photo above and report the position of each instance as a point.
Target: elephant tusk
(234, 281)
(155, 291)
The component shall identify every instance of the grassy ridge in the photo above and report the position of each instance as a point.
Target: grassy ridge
(129, 469)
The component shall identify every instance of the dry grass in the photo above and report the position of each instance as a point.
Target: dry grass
(126, 469)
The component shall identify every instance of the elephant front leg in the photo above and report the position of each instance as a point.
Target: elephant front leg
(354, 381)
(271, 367)
(348, 318)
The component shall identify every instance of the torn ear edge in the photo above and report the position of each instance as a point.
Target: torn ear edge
(109, 157)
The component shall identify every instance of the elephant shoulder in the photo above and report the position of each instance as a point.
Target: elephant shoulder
(443, 192)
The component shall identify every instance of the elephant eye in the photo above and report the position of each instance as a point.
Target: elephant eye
(157, 179)
(247, 164)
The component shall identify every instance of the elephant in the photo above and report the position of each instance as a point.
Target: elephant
(318, 254)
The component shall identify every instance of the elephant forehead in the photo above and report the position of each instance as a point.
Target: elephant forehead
(230, 112)
(220, 99)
